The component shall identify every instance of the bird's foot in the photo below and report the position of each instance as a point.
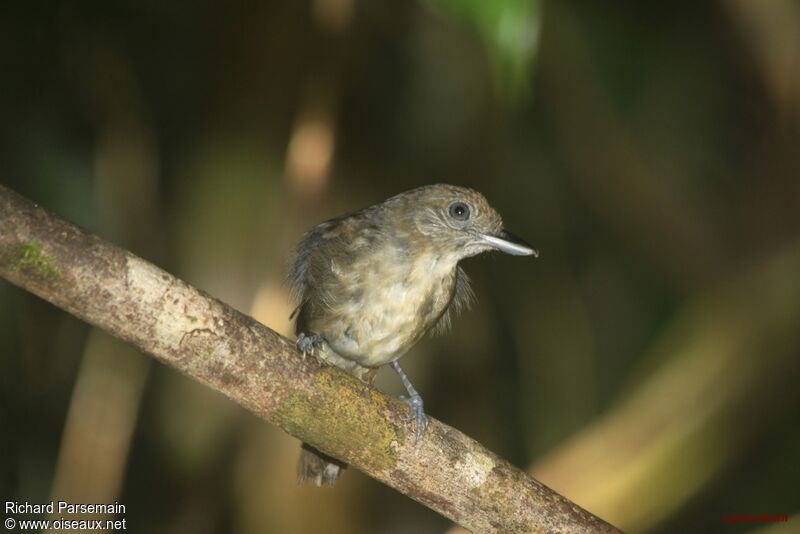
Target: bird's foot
(309, 344)
(414, 401)
(417, 414)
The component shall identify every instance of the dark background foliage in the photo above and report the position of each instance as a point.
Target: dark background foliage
(646, 365)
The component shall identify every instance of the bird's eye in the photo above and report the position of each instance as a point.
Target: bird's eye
(459, 211)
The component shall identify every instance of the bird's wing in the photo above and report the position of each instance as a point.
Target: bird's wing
(353, 231)
(463, 297)
(300, 262)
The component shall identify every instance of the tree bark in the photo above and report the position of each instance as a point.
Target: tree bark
(263, 372)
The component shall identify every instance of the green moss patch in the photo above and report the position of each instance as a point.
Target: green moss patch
(30, 258)
(347, 423)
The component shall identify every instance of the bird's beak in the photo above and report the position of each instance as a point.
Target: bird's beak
(505, 241)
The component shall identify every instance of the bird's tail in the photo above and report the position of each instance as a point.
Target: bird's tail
(317, 467)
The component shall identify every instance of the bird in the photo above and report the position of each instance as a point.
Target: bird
(370, 284)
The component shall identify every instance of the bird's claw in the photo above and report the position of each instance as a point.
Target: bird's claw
(308, 344)
(417, 414)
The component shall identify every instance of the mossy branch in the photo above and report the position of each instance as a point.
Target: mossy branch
(262, 371)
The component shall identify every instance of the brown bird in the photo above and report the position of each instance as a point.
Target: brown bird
(370, 284)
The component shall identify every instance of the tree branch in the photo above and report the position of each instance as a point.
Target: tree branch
(262, 371)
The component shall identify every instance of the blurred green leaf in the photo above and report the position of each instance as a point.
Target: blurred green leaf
(510, 29)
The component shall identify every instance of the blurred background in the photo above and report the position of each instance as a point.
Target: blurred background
(646, 365)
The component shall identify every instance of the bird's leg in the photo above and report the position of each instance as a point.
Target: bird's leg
(309, 344)
(414, 401)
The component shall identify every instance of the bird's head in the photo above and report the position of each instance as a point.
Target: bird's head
(457, 220)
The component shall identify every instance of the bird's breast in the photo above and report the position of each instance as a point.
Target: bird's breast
(385, 305)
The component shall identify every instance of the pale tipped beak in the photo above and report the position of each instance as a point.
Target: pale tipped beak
(507, 242)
